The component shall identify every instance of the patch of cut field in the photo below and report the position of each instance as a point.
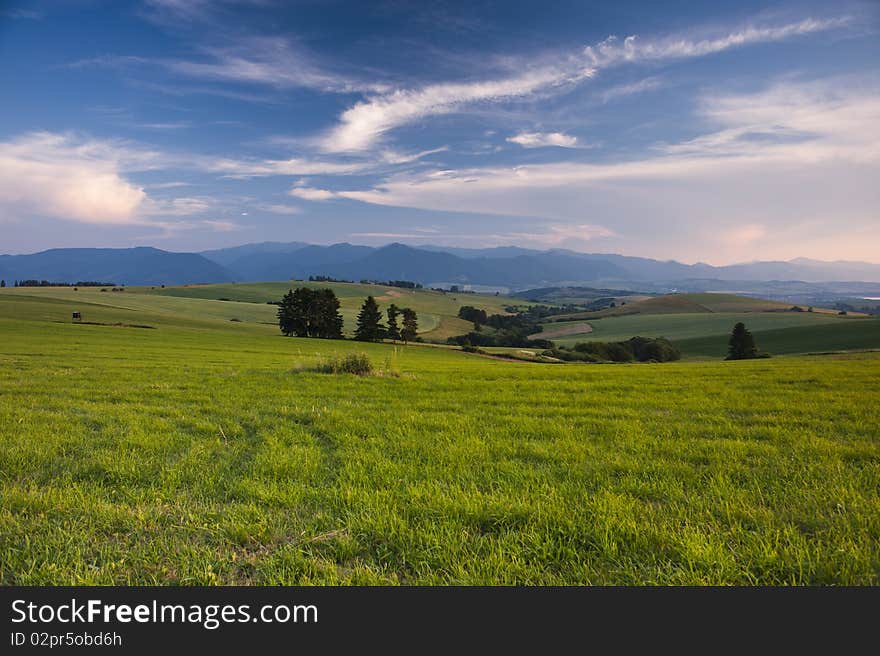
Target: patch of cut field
(564, 330)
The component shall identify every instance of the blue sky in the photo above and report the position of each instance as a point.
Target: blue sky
(717, 132)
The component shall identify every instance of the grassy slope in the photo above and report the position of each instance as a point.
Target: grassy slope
(841, 336)
(202, 452)
(687, 326)
(437, 311)
(680, 304)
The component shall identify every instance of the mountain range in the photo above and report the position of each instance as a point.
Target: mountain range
(503, 267)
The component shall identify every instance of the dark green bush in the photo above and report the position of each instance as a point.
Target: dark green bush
(643, 349)
(358, 364)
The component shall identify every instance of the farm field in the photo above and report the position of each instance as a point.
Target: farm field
(205, 451)
(678, 327)
(842, 336)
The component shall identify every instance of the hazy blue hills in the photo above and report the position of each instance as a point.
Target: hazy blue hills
(126, 266)
(511, 267)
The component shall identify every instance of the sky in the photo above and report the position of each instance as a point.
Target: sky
(717, 132)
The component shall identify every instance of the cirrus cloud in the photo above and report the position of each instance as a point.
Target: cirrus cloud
(543, 139)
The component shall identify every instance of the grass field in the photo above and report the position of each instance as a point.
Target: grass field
(247, 303)
(679, 327)
(206, 451)
(840, 336)
(685, 304)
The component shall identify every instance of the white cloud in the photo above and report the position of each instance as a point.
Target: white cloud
(558, 234)
(542, 139)
(164, 126)
(363, 124)
(271, 61)
(268, 167)
(612, 51)
(790, 155)
(310, 193)
(631, 89)
(218, 225)
(59, 175)
(167, 185)
(549, 235)
(280, 209)
(184, 206)
(394, 157)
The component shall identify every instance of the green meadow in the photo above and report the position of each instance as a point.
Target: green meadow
(679, 327)
(248, 302)
(209, 451)
(700, 325)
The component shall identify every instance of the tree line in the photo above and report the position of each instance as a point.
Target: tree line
(305, 312)
(499, 329)
(46, 283)
(405, 284)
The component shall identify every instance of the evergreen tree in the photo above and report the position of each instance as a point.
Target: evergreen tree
(2, 283)
(742, 344)
(392, 332)
(301, 311)
(308, 312)
(328, 324)
(368, 328)
(286, 317)
(410, 325)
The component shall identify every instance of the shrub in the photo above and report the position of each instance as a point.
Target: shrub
(358, 364)
(643, 349)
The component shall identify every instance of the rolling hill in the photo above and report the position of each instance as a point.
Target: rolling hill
(700, 324)
(246, 304)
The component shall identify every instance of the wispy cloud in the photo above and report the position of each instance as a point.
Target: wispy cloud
(614, 51)
(272, 61)
(544, 139)
(255, 60)
(546, 235)
(279, 209)
(558, 234)
(221, 225)
(173, 12)
(366, 122)
(233, 168)
(778, 158)
(786, 124)
(311, 193)
(395, 157)
(183, 206)
(164, 126)
(22, 14)
(623, 90)
(167, 185)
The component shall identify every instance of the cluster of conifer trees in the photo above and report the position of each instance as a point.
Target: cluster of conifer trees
(305, 312)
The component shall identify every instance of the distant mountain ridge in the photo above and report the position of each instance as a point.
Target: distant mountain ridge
(509, 267)
(126, 266)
